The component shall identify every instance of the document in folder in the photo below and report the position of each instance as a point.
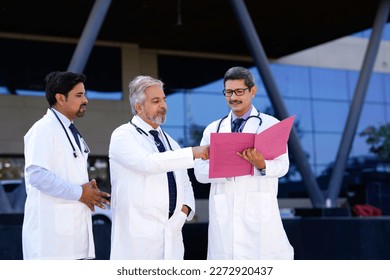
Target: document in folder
(224, 161)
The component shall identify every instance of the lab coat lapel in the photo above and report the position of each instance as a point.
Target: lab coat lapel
(252, 124)
(226, 125)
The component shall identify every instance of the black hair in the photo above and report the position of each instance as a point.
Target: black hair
(61, 82)
(240, 73)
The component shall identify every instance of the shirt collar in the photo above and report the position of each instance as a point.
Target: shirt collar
(245, 116)
(62, 117)
(144, 125)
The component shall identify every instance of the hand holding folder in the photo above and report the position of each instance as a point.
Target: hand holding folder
(224, 161)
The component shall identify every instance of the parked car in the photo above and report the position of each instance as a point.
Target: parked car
(13, 197)
(102, 216)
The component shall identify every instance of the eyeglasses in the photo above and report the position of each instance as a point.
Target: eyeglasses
(238, 92)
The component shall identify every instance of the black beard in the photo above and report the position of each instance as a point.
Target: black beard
(80, 114)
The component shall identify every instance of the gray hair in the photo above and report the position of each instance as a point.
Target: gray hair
(240, 73)
(137, 89)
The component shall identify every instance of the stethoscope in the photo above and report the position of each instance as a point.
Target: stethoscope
(254, 116)
(141, 131)
(86, 148)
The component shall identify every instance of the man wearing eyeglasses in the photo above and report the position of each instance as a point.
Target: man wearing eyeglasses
(244, 218)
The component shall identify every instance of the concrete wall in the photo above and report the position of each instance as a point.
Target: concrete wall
(344, 53)
(18, 113)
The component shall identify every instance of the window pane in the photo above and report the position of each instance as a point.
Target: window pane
(302, 110)
(375, 87)
(326, 147)
(204, 112)
(175, 113)
(329, 84)
(330, 116)
(359, 147)
(307, 145)
(372, 114)
(292, 80)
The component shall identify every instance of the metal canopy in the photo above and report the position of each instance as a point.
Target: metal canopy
(201, 26)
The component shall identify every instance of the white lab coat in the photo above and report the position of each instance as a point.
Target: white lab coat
(139, 198)
(55, 228)
(244, 218)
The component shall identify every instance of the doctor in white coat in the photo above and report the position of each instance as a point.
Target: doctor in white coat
(57, 219)
(143, 226)
(244, 218)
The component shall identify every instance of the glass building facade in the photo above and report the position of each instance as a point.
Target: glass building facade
(319, 97)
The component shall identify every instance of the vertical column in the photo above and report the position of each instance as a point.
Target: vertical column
(261, 61)
(89, 35)
(357, 103)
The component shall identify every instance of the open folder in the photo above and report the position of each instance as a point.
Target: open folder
(224, 161)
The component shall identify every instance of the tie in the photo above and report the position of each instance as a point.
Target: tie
(75, 133)
(171, 178)
(236, 124)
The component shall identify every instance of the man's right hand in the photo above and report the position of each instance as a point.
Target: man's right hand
(92, 196)
(201, 152)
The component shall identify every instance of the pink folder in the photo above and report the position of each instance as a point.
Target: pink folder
(224, 161)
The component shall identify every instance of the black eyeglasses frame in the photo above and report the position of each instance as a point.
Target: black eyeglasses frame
(229, 92)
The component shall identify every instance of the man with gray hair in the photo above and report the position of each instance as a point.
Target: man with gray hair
(152, 195)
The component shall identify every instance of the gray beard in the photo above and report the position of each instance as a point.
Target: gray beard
(157, 119)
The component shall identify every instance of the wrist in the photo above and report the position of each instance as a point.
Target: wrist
(262, 171)
(186, 209)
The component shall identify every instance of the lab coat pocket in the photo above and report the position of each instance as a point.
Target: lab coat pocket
(173, 245)
(63, 219)
(177, 222)
(143, 222)
(219, 207)
(258, 207)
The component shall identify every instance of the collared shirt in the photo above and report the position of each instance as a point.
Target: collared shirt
(245, 116)
(147, 127)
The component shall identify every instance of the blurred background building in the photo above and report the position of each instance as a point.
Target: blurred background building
(315, 51)
(319, 58)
